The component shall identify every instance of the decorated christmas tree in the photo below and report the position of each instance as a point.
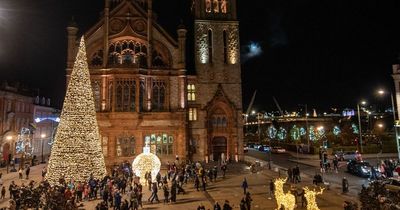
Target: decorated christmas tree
(76, 153)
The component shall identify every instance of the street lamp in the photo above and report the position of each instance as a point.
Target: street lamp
(42, 136)
(359, 125)
(382, 92)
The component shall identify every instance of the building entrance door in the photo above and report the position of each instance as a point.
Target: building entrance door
(218, 147)
(6, 151)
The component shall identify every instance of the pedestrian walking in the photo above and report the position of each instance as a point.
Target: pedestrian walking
(335, 162)
(244, 186)
(154, 191)
(173, 191)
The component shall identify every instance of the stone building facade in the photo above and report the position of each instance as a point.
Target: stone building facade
(20, 110)
(143, 93)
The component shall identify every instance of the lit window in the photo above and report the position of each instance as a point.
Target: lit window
(105, 146)
(125, 146)
(160, 144)
(208, 6)
(191, 92)
(192, 114)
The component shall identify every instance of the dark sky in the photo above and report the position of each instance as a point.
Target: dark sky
(323, 53)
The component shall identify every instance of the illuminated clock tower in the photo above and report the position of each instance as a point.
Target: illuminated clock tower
(218, 81)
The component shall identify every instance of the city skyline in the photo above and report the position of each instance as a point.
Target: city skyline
(325, 55)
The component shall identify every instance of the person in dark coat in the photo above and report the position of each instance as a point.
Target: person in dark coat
(216, 206)
(248, 200)
(173, 191)
(244, 186)
(226, 206)
(271, 189)
(28, 170)
(166, 194)
(196, 183)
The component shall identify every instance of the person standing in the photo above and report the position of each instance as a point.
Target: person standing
(196, 182)
(335, 164)
(242, 205)
(166, 194)
(290, 174)
(226, 206)
(223, 169)
(117, 200)
(173, 191)
(28, 170)
(216, 206)
(271, 189)
(244, 186)
(248, 200)
(20, 171)
(3, 192)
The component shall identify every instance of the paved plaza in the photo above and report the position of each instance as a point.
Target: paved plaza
(228, 188)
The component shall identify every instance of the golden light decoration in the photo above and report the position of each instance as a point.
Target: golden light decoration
(287, 200)
(311, 196)
(146, 162)
(76, 153)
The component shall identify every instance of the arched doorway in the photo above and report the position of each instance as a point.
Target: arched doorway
(6, 151)
(219, 146)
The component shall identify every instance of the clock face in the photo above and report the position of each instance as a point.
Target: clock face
(116, 25)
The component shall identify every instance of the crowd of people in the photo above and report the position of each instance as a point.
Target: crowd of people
(120, 190)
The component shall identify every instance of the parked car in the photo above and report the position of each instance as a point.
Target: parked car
(264, 148)
(346, 156)
(359, 168)
(245, 149)
(393, 185)
(278, 150)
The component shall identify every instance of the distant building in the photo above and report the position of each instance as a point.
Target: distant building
(143, 93)
(17, 111)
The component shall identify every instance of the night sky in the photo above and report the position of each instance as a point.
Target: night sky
(321, 53)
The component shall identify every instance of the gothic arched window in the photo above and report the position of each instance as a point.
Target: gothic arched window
(96, 95)
(216, 6)
(210, 46)
(158, 96)
(118, 98)
(142, 93)
(125, 145)
(225, 46)
(224, 8)
(208, 6)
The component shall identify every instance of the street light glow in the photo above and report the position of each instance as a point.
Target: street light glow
(381, 92)
(43, 135)
(380, 125)
(9, 137)
(363, 102)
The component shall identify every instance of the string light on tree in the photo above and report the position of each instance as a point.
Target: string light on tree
(282, 134)
(336, 131)
(76, 153)
(272, 132)
(311, 196)
(303, 131)
(355, 128)
(295, 133)
(312, 134)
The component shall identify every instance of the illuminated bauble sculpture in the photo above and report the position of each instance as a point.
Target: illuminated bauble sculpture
(146, 162)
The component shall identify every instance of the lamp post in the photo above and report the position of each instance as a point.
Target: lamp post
(42, 136)
(359, 125)
(9, 138)
(381, 92)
